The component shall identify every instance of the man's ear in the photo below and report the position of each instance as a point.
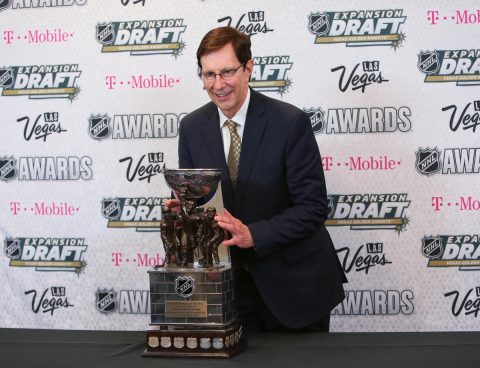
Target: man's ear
(249, 66)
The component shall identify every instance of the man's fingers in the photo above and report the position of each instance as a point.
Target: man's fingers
(228, 243)
(173, 204)
(226, 225)
(219, 218)
(228, 214)
(240, 233)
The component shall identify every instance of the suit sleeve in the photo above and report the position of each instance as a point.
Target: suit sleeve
(184, 158)
(306, 188)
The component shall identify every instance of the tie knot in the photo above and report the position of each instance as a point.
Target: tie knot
(231, 125)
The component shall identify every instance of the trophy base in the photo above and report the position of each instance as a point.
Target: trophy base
(191, 341)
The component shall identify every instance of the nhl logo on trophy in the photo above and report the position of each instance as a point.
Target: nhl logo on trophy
(184, 286)
(191, 294)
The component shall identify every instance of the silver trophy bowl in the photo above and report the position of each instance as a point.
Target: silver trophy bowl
(192, 183)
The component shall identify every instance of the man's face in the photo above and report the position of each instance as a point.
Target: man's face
(228, 94)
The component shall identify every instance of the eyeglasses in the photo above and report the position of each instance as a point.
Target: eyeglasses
(224, 74)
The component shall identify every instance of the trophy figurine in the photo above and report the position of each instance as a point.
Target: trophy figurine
(191, 294)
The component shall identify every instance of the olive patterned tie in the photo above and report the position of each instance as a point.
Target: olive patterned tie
(233, 152)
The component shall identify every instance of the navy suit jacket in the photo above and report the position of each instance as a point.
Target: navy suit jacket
(281, 196)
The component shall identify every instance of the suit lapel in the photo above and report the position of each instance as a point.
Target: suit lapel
(213, 140)
(251, 141)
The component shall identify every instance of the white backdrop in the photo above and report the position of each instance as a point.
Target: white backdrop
(92, 96)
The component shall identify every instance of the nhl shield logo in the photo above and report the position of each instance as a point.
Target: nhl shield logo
(317, 119)
(111, 208)
(106, 300)
(184, 286)
(7, 168)
(428, 62)
(99, 126)
(318, 23)
(4, 4)
(12, 248)
(6, 78)
(432, 246)
(105, 33)
(428, 161)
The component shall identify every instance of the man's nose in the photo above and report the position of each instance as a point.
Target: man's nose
(218, 83)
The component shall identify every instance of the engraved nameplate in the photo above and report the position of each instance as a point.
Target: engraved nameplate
(186, 309)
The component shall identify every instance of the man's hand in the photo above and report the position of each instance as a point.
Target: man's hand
(173, 204)
(241, 235)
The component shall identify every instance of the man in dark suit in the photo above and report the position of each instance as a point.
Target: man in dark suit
(287, 272)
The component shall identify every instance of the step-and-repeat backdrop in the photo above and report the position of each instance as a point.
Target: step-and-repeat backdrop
(93, 93)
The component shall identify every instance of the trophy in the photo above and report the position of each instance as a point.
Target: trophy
(191, 294)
